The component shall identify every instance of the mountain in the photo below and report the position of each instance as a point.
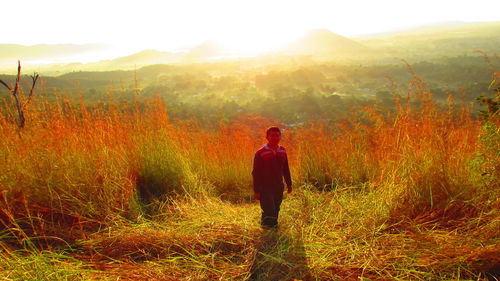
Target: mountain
(413, 30)
(323, 43)
(428, 43)
(207, 50)
(438, 40)
(441, 30)
(142, 58)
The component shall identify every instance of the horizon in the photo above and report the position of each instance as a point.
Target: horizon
(99, 52)
(240, 27)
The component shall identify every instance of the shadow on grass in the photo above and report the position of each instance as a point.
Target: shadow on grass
(279, 257)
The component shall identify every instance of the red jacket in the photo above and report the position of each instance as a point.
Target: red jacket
(269, 169)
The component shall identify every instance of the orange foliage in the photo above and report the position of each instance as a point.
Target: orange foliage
(85, 160)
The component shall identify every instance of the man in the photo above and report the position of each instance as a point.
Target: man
(270, 166)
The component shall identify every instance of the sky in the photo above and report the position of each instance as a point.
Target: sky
(245, 26)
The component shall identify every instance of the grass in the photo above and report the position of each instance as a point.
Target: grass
(322, 236)
(122, 193)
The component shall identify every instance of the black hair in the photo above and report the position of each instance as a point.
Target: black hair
(273, 129)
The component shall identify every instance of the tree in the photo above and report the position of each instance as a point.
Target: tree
(16, 92)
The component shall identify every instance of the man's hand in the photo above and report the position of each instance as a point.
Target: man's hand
(289, 189)
(256, 196)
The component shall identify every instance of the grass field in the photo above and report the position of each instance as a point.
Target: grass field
(120, 193)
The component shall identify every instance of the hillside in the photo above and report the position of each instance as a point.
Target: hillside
(207, 50)
(142, 58)
(415, 45)
(323, 44)
(117, 191)
(431, 42)
(305, 90)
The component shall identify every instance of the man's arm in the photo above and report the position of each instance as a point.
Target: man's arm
(286, 174)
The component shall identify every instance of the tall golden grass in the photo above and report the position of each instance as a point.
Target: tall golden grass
(103, 161)
(73, 169)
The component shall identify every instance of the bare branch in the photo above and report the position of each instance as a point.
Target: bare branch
(17, 98)
(34, 78)
(6, 85)
(18, 77)
(17, 94)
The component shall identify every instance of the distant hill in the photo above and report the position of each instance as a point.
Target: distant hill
(142, 58)
(205, 51)
(415, 30)
(442, 30)
(425, 43)
(323, 42)
(442, 39)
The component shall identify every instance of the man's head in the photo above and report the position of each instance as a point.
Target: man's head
(273, 136)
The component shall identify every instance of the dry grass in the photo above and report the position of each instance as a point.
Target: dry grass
(123, 194)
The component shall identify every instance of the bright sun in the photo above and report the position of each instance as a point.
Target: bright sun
(254, 44)
(242, 27)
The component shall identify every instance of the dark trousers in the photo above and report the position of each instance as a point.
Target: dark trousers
(270, 201)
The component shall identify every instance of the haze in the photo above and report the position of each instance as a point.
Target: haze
(244, 27)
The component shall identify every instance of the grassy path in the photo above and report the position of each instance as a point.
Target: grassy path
(322, 236)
